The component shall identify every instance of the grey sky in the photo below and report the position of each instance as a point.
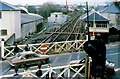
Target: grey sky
(37, 2)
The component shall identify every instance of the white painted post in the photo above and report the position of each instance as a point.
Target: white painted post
(50, 71)
(68, 72)
(2, 48)
(31, 48)
(87, 37)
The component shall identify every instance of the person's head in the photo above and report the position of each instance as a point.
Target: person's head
(26, 44)
(51, 66)
(98, 36)
(48, 65)
(39, 66)
(15, 45)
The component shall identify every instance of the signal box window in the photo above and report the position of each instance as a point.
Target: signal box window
(119, 17)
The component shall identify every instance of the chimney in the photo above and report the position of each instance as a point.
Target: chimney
(66, 4)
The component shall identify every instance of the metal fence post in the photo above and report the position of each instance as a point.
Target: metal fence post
(2, 48)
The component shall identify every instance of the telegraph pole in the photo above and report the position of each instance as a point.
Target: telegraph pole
(88, 36)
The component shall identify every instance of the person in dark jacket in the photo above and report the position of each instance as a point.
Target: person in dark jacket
(47, 75)
(39, 72)
(27, 48)
(16, 50)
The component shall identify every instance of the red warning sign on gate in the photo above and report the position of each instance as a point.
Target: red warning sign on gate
(43, 48)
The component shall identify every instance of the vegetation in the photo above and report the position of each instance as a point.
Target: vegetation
(46, 9)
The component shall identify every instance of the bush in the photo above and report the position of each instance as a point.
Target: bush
(113, 31)
(113, 38)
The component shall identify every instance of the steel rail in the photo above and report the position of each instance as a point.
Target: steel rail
(72, 30)
(64, 29)
(78, 30)
(57, 30)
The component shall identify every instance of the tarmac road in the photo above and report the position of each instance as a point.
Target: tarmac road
(113, 54)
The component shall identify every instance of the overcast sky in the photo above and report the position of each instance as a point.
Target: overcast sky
(37, 2)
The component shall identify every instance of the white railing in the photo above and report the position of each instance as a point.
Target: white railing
(66, 71)
(55, 47)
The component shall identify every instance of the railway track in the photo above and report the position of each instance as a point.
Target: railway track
(68, 29)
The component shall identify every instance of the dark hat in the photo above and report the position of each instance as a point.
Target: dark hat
(98, 36)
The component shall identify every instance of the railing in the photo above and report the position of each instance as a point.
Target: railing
(55, 47)
(65, 73)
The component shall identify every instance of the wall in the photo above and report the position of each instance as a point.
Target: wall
(118, 21)
(11, 21)
(59, 19)
(111, 17)
(17, 23)
(29, 28)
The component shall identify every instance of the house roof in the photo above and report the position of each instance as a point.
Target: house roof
(28, 18)
(113, 8)
(101, 8)
(8, 7)
(56, 13)
(98, 17)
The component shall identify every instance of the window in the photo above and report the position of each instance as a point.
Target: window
(91, 24)
(3, 32)
(118, 16)
(118, 24)
(104, 25)
(31, 56)
(27, 57)
(0, 14)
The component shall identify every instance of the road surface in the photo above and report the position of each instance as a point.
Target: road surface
(113, 54)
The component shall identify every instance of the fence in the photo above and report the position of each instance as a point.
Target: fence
(55, 47)
(76, 69)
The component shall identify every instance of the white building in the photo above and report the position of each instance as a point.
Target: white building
(57, 17)
(70, 8)
(10, 22)
(14, 24)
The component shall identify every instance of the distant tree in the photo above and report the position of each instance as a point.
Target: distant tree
(32, 10)
(48, 8)
(65, 11)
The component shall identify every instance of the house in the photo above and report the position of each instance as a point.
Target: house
(112, 12)
(17, 22)
(57, 17)
(101, 23)
(10, 22)
(98, 23)
(70, 8)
